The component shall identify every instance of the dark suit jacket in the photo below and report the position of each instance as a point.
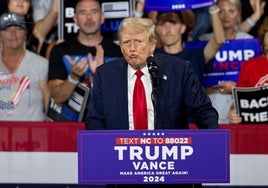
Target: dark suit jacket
(179, 95)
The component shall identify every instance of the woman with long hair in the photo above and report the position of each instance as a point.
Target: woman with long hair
(230, 15)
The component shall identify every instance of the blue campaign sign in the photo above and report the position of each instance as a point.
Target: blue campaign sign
(153, 157)
(227, 62)
(175, 5)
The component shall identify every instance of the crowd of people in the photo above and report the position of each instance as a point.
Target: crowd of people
(38, 29)
(149, 69)
(28, 29)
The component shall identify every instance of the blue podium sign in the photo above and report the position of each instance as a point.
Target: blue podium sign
(153, 157)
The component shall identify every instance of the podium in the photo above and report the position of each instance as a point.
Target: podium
(46, 153)
(153, 157)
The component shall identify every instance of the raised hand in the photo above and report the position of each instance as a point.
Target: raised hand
(98, 60)
(78, 66)
(258, 8)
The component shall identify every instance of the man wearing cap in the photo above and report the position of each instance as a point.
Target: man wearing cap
(23, 85)
(171, 27)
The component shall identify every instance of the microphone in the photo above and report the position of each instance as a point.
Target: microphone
(153, 70)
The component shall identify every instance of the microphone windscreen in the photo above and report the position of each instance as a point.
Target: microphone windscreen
(150, 59)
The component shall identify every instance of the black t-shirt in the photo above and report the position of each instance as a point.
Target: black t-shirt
(57, 69)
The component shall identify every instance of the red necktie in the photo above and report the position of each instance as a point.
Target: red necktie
(140, 115)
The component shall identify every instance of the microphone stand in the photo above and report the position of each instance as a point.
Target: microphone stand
(154, 100)
(153, 71)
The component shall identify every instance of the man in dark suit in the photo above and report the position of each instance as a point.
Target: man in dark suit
(178, 91)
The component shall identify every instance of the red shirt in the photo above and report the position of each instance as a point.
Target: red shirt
(254, 72)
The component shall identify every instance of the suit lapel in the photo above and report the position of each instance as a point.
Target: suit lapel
(122, 95)
(162, 92)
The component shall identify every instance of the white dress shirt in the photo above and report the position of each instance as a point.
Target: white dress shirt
(148, 90)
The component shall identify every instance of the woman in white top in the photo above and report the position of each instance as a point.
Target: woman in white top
(230, 15)
(23, 86)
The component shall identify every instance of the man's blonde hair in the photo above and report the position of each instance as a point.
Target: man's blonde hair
(138, 25)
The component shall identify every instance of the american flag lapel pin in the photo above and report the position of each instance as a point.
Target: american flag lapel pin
(164, 77)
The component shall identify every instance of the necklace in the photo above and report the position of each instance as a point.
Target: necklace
(9, 59)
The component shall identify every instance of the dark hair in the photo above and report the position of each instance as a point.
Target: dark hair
(28, 17)
(3, 7)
